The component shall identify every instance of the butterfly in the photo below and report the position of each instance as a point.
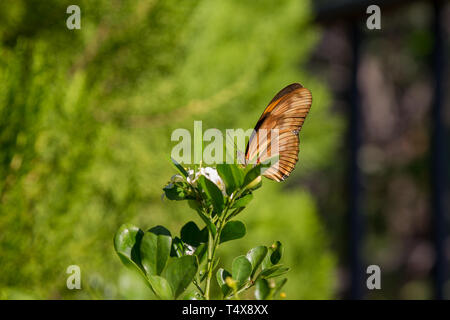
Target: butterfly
(276, 132)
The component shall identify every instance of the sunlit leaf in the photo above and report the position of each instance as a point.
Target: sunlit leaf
(179, 168)
(273, 271)
(180, 272)
(127, 243)
(252, 175)
(232, 175)
(213, 193)
(242, 202)
(256, 257)
(155, 250)
(241, 270)
(161, 287)
(262, 289)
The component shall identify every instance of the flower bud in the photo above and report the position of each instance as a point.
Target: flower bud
(254, 183)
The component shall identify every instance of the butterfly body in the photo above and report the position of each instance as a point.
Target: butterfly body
(276, 132)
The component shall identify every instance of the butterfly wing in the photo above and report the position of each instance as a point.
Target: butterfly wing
(276, 132)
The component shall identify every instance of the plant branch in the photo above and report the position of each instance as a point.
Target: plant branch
(213, 244)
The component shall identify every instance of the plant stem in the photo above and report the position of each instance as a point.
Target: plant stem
(213, 243)
(210, 262)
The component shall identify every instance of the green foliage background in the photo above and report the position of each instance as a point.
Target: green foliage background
(85, 123)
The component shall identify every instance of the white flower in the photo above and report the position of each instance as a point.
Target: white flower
(209, 173)
(190, 250)
(213, 175)
(191, 178)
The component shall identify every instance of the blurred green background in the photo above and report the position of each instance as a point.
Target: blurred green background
(85, 123)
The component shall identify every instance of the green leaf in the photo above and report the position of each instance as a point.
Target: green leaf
(161, 287)
(256, 257)
(127, 243)
(221, 276)
(213, 193)
(241, 270)
(155, 250)
(179, 168)
(275, 257)
(180, 272)
(276, 249)
(243, 201)
(266, 261)
(191, 234)
(176, 191)
(262, 289)
(253, 186)
(273, 271)
(232, 175)
(252, 174)
(233, 230)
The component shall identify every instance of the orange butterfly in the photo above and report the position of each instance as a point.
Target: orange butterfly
(282, 119)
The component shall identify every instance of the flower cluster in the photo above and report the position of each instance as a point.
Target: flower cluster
(170, 263)
(192, 177)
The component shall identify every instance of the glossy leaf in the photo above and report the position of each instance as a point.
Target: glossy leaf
(232, 230)
(256, 257)
(241, 270)
(155, 250)
(232, 176)
(180, 272)
(262, 289)
(179, 167)
(127, 242)
(175, 191)
(161, 287)
(213, 193)
(266, 261)
(273, 271)
(252, 175)
(242, 202)
(221, 276)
